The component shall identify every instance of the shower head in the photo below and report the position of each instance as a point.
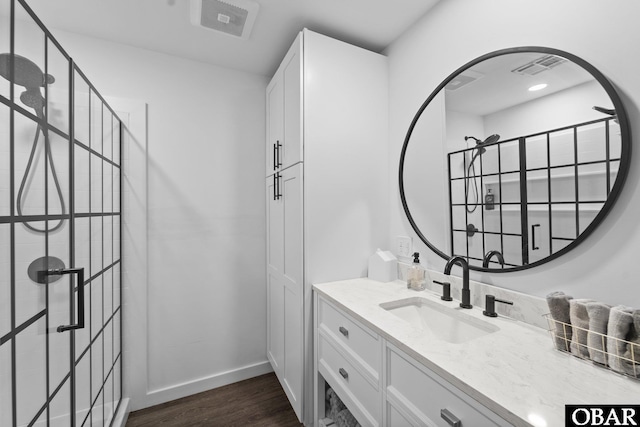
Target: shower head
(26, 73)
(491, 139)
(480, 144)
(608, 111)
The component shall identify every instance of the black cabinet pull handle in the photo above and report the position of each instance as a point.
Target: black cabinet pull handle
(278, 155)
(278, 181)
(533, 237)
(79, 272)
(344, 331)
(275, 187)
(344, 373)
(275, 155)
(451, 419)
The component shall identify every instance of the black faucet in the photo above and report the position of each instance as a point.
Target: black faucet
(466, 292)
(490, 305)
(491, 254)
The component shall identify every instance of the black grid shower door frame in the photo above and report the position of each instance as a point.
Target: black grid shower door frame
(13, 220)
(524, 203)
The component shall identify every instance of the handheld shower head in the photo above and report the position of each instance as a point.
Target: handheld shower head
(25, 72)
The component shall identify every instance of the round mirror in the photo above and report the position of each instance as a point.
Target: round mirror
(514, 159)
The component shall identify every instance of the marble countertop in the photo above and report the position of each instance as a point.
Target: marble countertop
(515, 371)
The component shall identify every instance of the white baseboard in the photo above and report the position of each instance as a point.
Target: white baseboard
(158, 396)
(120, 419)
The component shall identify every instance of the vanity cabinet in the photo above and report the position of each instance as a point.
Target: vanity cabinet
(326, 190)
(350, 360)
(417, 396)
(380, 384)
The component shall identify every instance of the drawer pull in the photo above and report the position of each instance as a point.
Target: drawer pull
(344, 331)
(451, 419)
(344, 373)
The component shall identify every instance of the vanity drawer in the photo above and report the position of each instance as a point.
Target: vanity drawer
(359, 394)
(364, 345)
(419, 395)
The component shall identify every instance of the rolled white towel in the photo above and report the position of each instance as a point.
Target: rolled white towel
(580, 326)
(631, 361)
(597, 336)
(558, 304)
(618, 328)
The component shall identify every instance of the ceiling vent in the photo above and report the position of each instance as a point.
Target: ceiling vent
(544, 63)
(463, 79)
(232, 17)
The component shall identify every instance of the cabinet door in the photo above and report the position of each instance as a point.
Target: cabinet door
(284, 112)
(292, 278)
(275, 225)
(275, 123)
(291, 151)
(285, 326)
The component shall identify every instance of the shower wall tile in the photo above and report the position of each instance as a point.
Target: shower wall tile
(82, 180)
(107, 184)
(96, 314)
(59, 314)
(97, 375)
(58, 92)
(107, 292)
(83, 389)
(96, 123)
(96, 245)
(107, 135)
(81, 117)
(29, 295)
(60, 158)
(97, 414)
(5, 157)
(33, 195)
(5, 37)
(6, 398)
(60, 407)
(31, 372)
(5, 280)
(96, 184)
(107, 247)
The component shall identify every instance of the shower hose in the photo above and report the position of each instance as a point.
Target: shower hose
(25, 177)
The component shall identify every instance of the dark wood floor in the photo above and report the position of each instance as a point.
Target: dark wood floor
(258, 401)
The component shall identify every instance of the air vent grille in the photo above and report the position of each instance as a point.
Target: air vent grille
(539, 65)
(231, 17)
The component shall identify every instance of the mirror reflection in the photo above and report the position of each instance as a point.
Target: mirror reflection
(514, 159)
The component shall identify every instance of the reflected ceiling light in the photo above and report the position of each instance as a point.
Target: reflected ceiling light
(537, 87)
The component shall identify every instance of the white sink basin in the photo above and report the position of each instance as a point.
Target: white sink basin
(450, 324)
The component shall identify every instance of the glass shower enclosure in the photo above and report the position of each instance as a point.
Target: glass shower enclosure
(60, 235)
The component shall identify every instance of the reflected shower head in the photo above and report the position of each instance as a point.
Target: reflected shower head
(608, 111)
(26, 72)
(480, 144)
(491, 139)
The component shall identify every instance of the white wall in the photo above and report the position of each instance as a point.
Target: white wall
(604, 34)
(205, 297)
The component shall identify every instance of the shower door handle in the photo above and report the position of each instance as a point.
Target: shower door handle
(533, 237)
(79, 272)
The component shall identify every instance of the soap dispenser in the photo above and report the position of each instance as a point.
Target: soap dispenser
(416, 275)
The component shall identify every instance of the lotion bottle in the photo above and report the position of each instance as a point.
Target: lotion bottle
(416, 275)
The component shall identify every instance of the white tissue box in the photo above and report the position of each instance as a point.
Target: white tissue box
(383, 266)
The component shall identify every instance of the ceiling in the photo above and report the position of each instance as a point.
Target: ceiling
(164, 26)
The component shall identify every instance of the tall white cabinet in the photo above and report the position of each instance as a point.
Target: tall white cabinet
(326, 190)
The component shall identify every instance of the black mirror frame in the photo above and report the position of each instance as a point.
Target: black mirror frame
(625, 154)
